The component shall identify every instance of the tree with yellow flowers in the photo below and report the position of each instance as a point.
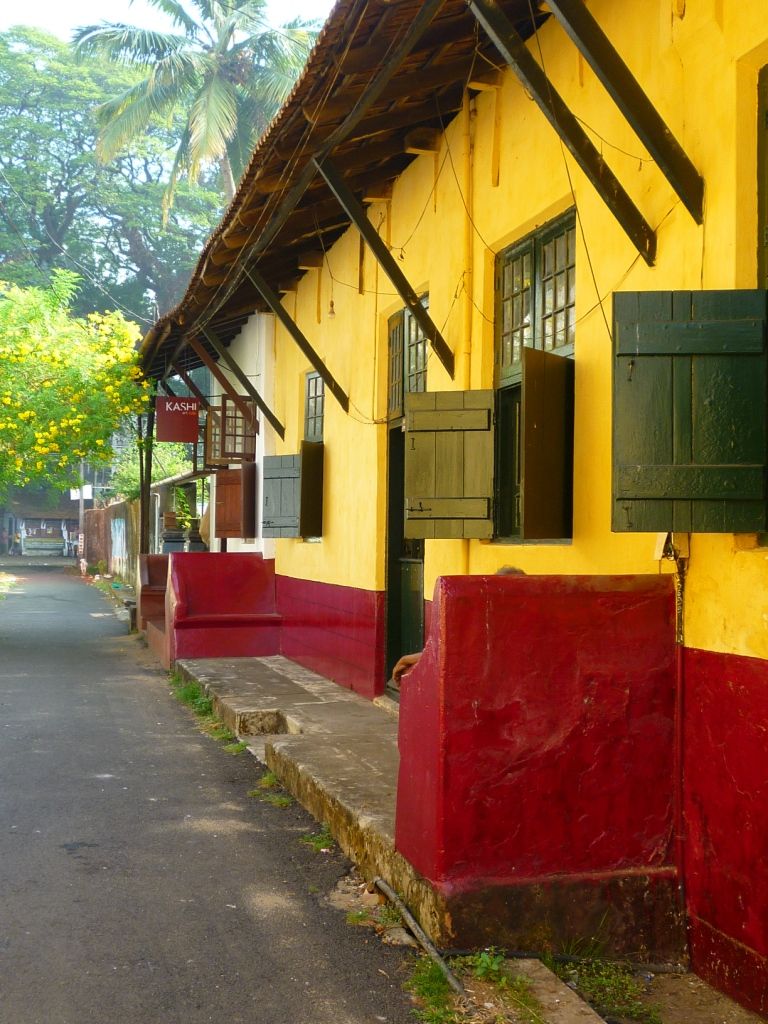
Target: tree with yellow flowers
(66, 383)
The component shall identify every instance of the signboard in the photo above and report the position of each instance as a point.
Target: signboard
(176, 419)
(74, 493)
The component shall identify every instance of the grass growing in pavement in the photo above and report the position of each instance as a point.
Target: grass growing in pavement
(218, 730)
(264, 791)
(493, 989)
(319, 841)
(275, 799)
(358, 917)
(235, 748)
(190, 693)
(269, 781)
(611, 988)
(435, 997)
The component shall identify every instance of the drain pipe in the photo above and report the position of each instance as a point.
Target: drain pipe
(421, 935)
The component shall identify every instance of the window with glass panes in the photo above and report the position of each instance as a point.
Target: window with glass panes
(314, 407)
(407, 359)
(535, 308)
(536, 296)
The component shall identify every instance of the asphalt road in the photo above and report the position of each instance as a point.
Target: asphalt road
(138, 881)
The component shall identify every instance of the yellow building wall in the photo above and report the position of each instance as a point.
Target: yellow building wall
(501, 172)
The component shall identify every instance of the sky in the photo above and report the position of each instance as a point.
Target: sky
(60, 17)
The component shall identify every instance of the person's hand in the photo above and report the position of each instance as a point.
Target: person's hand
(404, 664)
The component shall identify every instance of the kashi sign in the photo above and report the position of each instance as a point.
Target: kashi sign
(176, 419)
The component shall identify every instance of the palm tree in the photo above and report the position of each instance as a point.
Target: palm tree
(225, 72)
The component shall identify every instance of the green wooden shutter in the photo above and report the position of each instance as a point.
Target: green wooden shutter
(449, 464)
(547, 446)
(311, 489)
(293, 493)
(689, 411)
(280, 508)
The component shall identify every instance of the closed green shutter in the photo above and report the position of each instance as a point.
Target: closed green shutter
(449, 464)
(293, 493)
(280, 509)
(689, 411)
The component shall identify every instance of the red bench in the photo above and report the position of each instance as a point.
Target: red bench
(153, 579)
(220, 605)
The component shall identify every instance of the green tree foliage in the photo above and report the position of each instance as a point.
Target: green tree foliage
(66, 384)
(169, 459)
(224, 70)
(61, 207)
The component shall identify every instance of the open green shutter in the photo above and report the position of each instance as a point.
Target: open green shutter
(293, 493)
(449, 464)
(689, 411)
(280, 508)
(311, 489)
(547, 446)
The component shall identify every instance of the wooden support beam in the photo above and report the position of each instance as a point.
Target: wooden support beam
(235, 239)
(213, 278)
(396, 117)
(247, 410)
(423, 140)
(414, 83)
(274, 303)
(360, 59)
(510, 45)
(287, 287)
(311, 260)
(226, 356)
(379, 193)
(372, 94)
(488, 82)
(181, 344)
(193, 387)
(358, 217)
(629, 97)
(221, 257)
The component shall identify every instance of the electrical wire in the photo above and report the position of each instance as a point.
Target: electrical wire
(227, 287)
(45, 274)
(72, 259)
(570, 180)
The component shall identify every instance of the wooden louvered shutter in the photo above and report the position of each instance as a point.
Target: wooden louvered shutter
(689, 411)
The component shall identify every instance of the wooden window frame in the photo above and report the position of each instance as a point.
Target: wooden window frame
(314, 406)
(522, 295)
(528, 276)
(228, 439)
(408, 352)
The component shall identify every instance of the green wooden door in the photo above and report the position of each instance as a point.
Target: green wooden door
(405, 565)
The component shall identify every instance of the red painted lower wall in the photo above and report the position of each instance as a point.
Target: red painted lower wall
(536, 732)
(725, 785)
(336, 631)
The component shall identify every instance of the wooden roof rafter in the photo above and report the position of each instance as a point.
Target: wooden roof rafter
(532, 76)
(432, 45)
(626, 92)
